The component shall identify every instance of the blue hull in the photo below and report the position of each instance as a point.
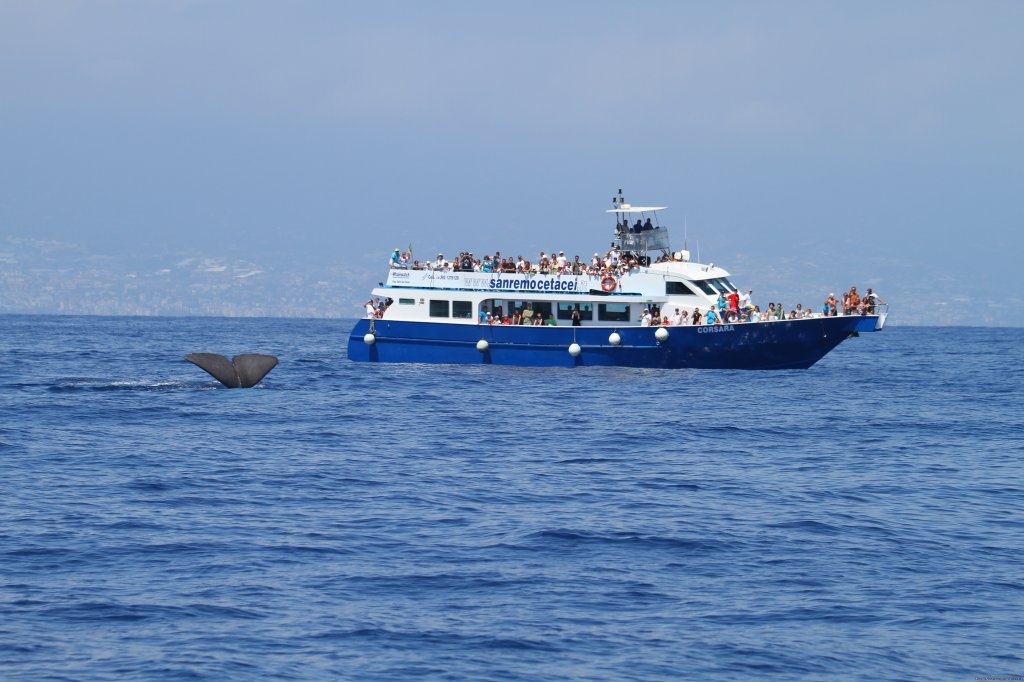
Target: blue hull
(795, 344)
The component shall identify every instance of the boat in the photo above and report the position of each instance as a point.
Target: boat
(601, 317)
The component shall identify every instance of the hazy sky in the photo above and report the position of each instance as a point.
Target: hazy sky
(880, 141)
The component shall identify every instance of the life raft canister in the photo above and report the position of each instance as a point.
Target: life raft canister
(609, 283)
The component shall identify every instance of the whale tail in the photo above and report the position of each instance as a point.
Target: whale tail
(241, 371)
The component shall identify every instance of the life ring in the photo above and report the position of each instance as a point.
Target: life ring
(608, 283)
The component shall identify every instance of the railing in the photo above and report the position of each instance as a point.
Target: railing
(642, 242)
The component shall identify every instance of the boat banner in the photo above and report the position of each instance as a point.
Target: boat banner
(491, 281)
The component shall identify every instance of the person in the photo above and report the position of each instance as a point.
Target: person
(695, 320)
(371, 312)
(832, 305)
(747, 301)
(721, 305)
(551, 321)
(638, 227)
(711, 317)
(854, 301)
(395, 260)
(871, 299)
(576, 316)
(483, 314)
(648, 225)
(528, 314)
(645, 318)
(734, 305)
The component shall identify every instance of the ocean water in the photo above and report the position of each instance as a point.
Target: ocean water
(858, 520)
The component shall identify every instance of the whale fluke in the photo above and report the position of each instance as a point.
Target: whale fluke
(242, 371)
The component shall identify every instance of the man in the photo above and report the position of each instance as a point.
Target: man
(734, 305)
(396, 260)
(721, 305)
(854, 301)
(371, 312)
(483, 314)
(645, 316)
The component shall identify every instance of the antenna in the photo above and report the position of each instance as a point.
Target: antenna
(698, 252)
(684, 236)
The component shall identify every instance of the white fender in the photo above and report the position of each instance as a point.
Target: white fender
(575, 350)
(615, 339)
(482, 345)
(661, 334)
(369, 339)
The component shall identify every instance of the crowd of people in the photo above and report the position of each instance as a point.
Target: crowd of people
(614, 262)
(730, 307)
(738, 307)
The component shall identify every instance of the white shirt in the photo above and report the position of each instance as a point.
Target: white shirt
(370, 311)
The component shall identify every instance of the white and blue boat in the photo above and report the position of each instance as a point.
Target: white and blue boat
(440, 315)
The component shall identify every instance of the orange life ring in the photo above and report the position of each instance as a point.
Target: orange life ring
(609, 283)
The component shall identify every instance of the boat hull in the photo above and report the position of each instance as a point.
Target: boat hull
(785, 344)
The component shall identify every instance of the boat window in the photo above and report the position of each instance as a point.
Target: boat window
(463, 309)
(678, 289)
(724, 285)
(705, 287)
(565, 310)
(613, 312)
(407, 301)
(542, 308)
(438, 308)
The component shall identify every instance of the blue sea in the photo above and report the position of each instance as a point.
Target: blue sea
(863, 519)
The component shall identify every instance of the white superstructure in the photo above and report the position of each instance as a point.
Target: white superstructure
(608, 299)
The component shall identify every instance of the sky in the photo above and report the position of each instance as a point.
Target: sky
(803, 145)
